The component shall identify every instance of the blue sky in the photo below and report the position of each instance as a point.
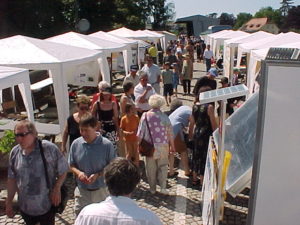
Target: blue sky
(193, 7)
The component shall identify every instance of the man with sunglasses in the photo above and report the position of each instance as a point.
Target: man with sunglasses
(26, 175)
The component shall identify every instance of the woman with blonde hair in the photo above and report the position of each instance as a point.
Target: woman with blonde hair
(155, 127)
(72, 126)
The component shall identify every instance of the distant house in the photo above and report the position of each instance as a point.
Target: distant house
(197, 24)
(260, 24)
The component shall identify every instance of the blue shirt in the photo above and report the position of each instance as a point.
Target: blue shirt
(91, 158)
(29, 173)
(180, 118)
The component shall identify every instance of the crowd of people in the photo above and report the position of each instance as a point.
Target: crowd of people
(104, 127)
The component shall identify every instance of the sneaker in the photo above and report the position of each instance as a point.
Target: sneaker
(164, 191)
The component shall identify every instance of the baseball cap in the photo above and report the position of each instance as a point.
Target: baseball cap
(213, 72)
(224, 80)
(134, 68)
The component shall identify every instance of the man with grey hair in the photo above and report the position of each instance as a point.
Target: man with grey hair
(26, 175)
(154, 74)
(142, 93)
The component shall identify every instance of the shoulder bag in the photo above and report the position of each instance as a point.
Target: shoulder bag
(146, 148)
(63, 190)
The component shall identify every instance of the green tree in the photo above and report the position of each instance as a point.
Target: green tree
(36, 18)
(161, 12)
(292, 20)
(131, 13)
(241, 19)
(285, 6)
(273, 15)
(227, 19)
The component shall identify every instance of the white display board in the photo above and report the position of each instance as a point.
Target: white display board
(275, 197)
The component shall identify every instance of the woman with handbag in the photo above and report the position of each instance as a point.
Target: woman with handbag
(156, 142)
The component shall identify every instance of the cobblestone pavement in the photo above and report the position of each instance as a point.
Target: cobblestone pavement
(181, 206)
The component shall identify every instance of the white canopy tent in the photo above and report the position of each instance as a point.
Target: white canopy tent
(209, 38)
(10, 77)
(231, 45)
(168, 37)
(161, 37)
(139, 34)
(132, 44)
(36, 54)
(257, 55)
(95, 43)
(219, 40)
(279, 39)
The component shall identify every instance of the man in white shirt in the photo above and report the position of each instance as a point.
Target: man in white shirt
(121, 177)
(142, 93)
(154, 73)
(132, 76)
(208, 56)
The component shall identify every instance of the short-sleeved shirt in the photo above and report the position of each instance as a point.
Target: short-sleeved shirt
(130, 123)
(153, 72)
(202, 82)
(91, 158)
(208, 54)
(29, 173)
(116, 210)
(159, 125)
(180, 119)
(152, 51)
(167, 77)
(138, 91)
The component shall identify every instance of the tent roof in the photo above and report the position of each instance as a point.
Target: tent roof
(89, 42)
(123, 32)
(232, 34)
(216, 34)
(12, 76)
(19, 50)
(278, 39)
(156, 34)
(119, 39)
(251, 37)
(260, 54)
(139, 34)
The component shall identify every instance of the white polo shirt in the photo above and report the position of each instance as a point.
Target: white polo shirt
(116, 210)
(138, 91)
(153, 72)
(208, 54)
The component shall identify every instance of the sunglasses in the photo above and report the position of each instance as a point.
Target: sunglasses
(82, 108)
(22, 134)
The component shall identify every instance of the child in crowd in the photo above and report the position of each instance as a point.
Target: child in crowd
(167, 78)
(129, 126)
(175, 77)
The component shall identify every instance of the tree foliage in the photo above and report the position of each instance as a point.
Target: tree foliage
(285, 6)
(46, 18)
(273, 15)
(241, 19)
(227, 19)
(292, 20)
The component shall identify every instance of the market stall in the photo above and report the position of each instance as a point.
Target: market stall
(35, 54)
(94, 43)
